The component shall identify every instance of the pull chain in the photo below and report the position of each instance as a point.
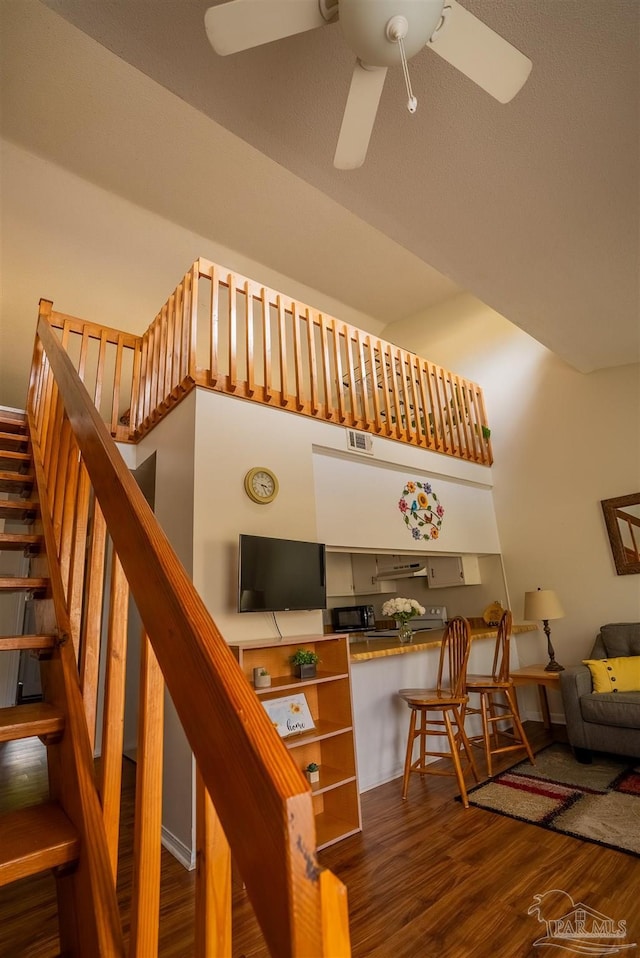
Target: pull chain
(412, 102)
(396, 32)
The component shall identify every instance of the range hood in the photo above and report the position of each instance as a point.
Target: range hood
(414, 569)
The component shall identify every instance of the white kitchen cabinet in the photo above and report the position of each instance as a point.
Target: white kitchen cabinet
(445, 571)
(365, 569)
(339, 574)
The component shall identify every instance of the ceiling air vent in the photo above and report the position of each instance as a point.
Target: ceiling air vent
(359, 442)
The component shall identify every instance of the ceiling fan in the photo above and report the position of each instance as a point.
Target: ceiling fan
(381, 33)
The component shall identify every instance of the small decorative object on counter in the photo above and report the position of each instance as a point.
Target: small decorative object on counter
(403, 610)
(312, 771)
(493, 613)
(304, 663)
(261, 678)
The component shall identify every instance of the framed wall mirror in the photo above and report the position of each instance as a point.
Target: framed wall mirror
(622, 517)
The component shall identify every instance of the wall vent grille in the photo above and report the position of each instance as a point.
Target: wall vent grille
(359, 442)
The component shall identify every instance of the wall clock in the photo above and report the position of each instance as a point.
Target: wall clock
(261, 485)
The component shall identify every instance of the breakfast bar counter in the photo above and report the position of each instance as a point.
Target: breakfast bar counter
(362, 649)
(382, 666)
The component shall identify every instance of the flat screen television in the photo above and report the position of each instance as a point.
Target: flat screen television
(280, 575)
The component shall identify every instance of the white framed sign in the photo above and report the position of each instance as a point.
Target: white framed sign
(290, 714)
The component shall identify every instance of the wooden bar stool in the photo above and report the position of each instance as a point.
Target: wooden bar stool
(491, 688)
(449, 699)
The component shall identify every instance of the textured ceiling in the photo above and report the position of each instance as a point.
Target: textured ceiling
(533, 206)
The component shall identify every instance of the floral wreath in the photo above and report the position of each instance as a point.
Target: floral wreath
(421, 510)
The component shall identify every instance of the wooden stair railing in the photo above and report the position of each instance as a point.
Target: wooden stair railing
(107, 361)
(249, 780)
(66, 833)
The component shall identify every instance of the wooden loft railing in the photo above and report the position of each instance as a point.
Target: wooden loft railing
(225, 332)
(108, 363)
(252, 801)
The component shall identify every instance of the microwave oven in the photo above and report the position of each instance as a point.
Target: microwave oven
(353, 618)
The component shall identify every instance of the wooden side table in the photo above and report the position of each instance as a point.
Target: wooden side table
(536, 675)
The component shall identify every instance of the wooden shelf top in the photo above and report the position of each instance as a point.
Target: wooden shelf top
(285, 640)
(285, 683)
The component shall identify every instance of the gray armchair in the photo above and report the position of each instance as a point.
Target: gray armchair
(603, 721)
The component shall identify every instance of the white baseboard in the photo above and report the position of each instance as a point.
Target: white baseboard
(185, 855)
(391, 777)
(557, 718)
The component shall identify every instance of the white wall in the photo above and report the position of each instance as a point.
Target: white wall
(562, 441)
(326, 494)
(173, 442)
(232, 436)
(98, 257)
(357, 505)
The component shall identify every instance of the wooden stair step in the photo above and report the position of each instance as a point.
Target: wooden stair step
(19, 510)
(16, 583)
(25, 721)
(14, 440)
(17, 541)
(33, 839)
(11, 481)
(11, 424)
(9, 643)
(13, 457)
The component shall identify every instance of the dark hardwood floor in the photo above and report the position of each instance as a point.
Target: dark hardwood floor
(426, 878)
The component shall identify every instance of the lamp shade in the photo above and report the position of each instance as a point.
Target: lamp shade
(542, 604)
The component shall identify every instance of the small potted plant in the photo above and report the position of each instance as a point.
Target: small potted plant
(304, 662)
(312, 771)
(261, 679)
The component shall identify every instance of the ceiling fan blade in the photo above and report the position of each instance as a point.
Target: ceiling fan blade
(359, 116)
(472, 47)
(242, 24)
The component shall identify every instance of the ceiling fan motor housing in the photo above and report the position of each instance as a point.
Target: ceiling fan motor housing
(364, 23)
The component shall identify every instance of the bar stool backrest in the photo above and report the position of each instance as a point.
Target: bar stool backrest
(454, 655)
(501, 664)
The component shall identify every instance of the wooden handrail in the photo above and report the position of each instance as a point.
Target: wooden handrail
(89, 892)
(260, 796)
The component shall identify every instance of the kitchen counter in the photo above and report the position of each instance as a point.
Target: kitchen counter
(363, 649)
(379, 667)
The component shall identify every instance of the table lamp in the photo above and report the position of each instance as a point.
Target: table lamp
(544, 604)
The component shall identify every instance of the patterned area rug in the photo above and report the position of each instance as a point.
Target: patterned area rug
(597, 803)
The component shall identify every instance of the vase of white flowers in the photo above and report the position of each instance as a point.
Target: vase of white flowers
(402, 610)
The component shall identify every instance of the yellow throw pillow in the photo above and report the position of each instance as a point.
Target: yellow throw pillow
(615, 675)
